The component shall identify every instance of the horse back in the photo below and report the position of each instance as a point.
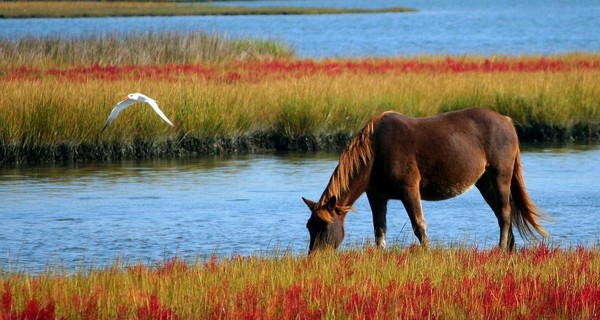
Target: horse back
(445, 154)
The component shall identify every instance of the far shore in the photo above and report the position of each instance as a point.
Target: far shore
(79, 9)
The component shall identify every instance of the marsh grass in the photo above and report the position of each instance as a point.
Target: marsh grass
(56, 114)
(50, 111)
(62, 9)
(401, 282)
(151, 48)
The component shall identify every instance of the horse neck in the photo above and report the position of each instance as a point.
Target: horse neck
(347, 187)
(350, 178)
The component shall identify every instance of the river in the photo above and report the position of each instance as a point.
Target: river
(83, 214)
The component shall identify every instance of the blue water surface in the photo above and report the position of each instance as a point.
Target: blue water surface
(79, 214)
(439, 27)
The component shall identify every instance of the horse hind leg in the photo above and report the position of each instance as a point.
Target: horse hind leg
(412, 204)
(496, 192)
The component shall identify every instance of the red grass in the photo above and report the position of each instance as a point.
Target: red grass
(479, 295)
(32, 310)
(155, 311)
(275, 69)
(6, 302)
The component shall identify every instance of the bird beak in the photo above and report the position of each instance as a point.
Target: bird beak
(126, 97)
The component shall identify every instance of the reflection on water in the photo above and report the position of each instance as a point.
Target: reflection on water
(144, 211)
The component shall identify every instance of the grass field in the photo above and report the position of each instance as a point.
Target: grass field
(63, 9)
(366, 283)
(242, 95)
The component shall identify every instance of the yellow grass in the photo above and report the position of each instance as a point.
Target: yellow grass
(50, 111)
(55, 113)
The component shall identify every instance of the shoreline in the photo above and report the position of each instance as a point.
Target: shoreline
(254, 143)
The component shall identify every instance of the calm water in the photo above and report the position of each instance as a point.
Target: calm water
(439, 27)
(150, 210)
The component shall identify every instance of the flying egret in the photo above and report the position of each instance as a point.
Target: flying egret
(129, 100)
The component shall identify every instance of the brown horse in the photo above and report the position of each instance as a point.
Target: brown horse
(398, 157)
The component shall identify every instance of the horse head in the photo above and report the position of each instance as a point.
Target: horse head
(326, 224)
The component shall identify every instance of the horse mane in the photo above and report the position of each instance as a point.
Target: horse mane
(356, 156)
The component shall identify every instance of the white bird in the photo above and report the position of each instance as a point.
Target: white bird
(129, 100)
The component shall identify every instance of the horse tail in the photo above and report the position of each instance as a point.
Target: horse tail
(525, 212)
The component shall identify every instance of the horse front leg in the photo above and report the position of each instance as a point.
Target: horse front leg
(379, 209)
(412, 204)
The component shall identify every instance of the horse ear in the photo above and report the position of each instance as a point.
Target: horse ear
(331, 203)
(309, 203)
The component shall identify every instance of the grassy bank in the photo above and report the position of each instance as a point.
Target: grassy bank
(56, 114)
(256, 99)
(400, 283)
(70, 9)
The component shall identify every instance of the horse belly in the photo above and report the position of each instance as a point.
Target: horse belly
(444, 191)
(443, 185)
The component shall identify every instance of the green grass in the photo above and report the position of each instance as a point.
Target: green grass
(63, 9)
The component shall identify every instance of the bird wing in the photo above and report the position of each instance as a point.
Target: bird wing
(157, 110)
(116, 110)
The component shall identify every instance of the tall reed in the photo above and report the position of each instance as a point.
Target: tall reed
(150, 48)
